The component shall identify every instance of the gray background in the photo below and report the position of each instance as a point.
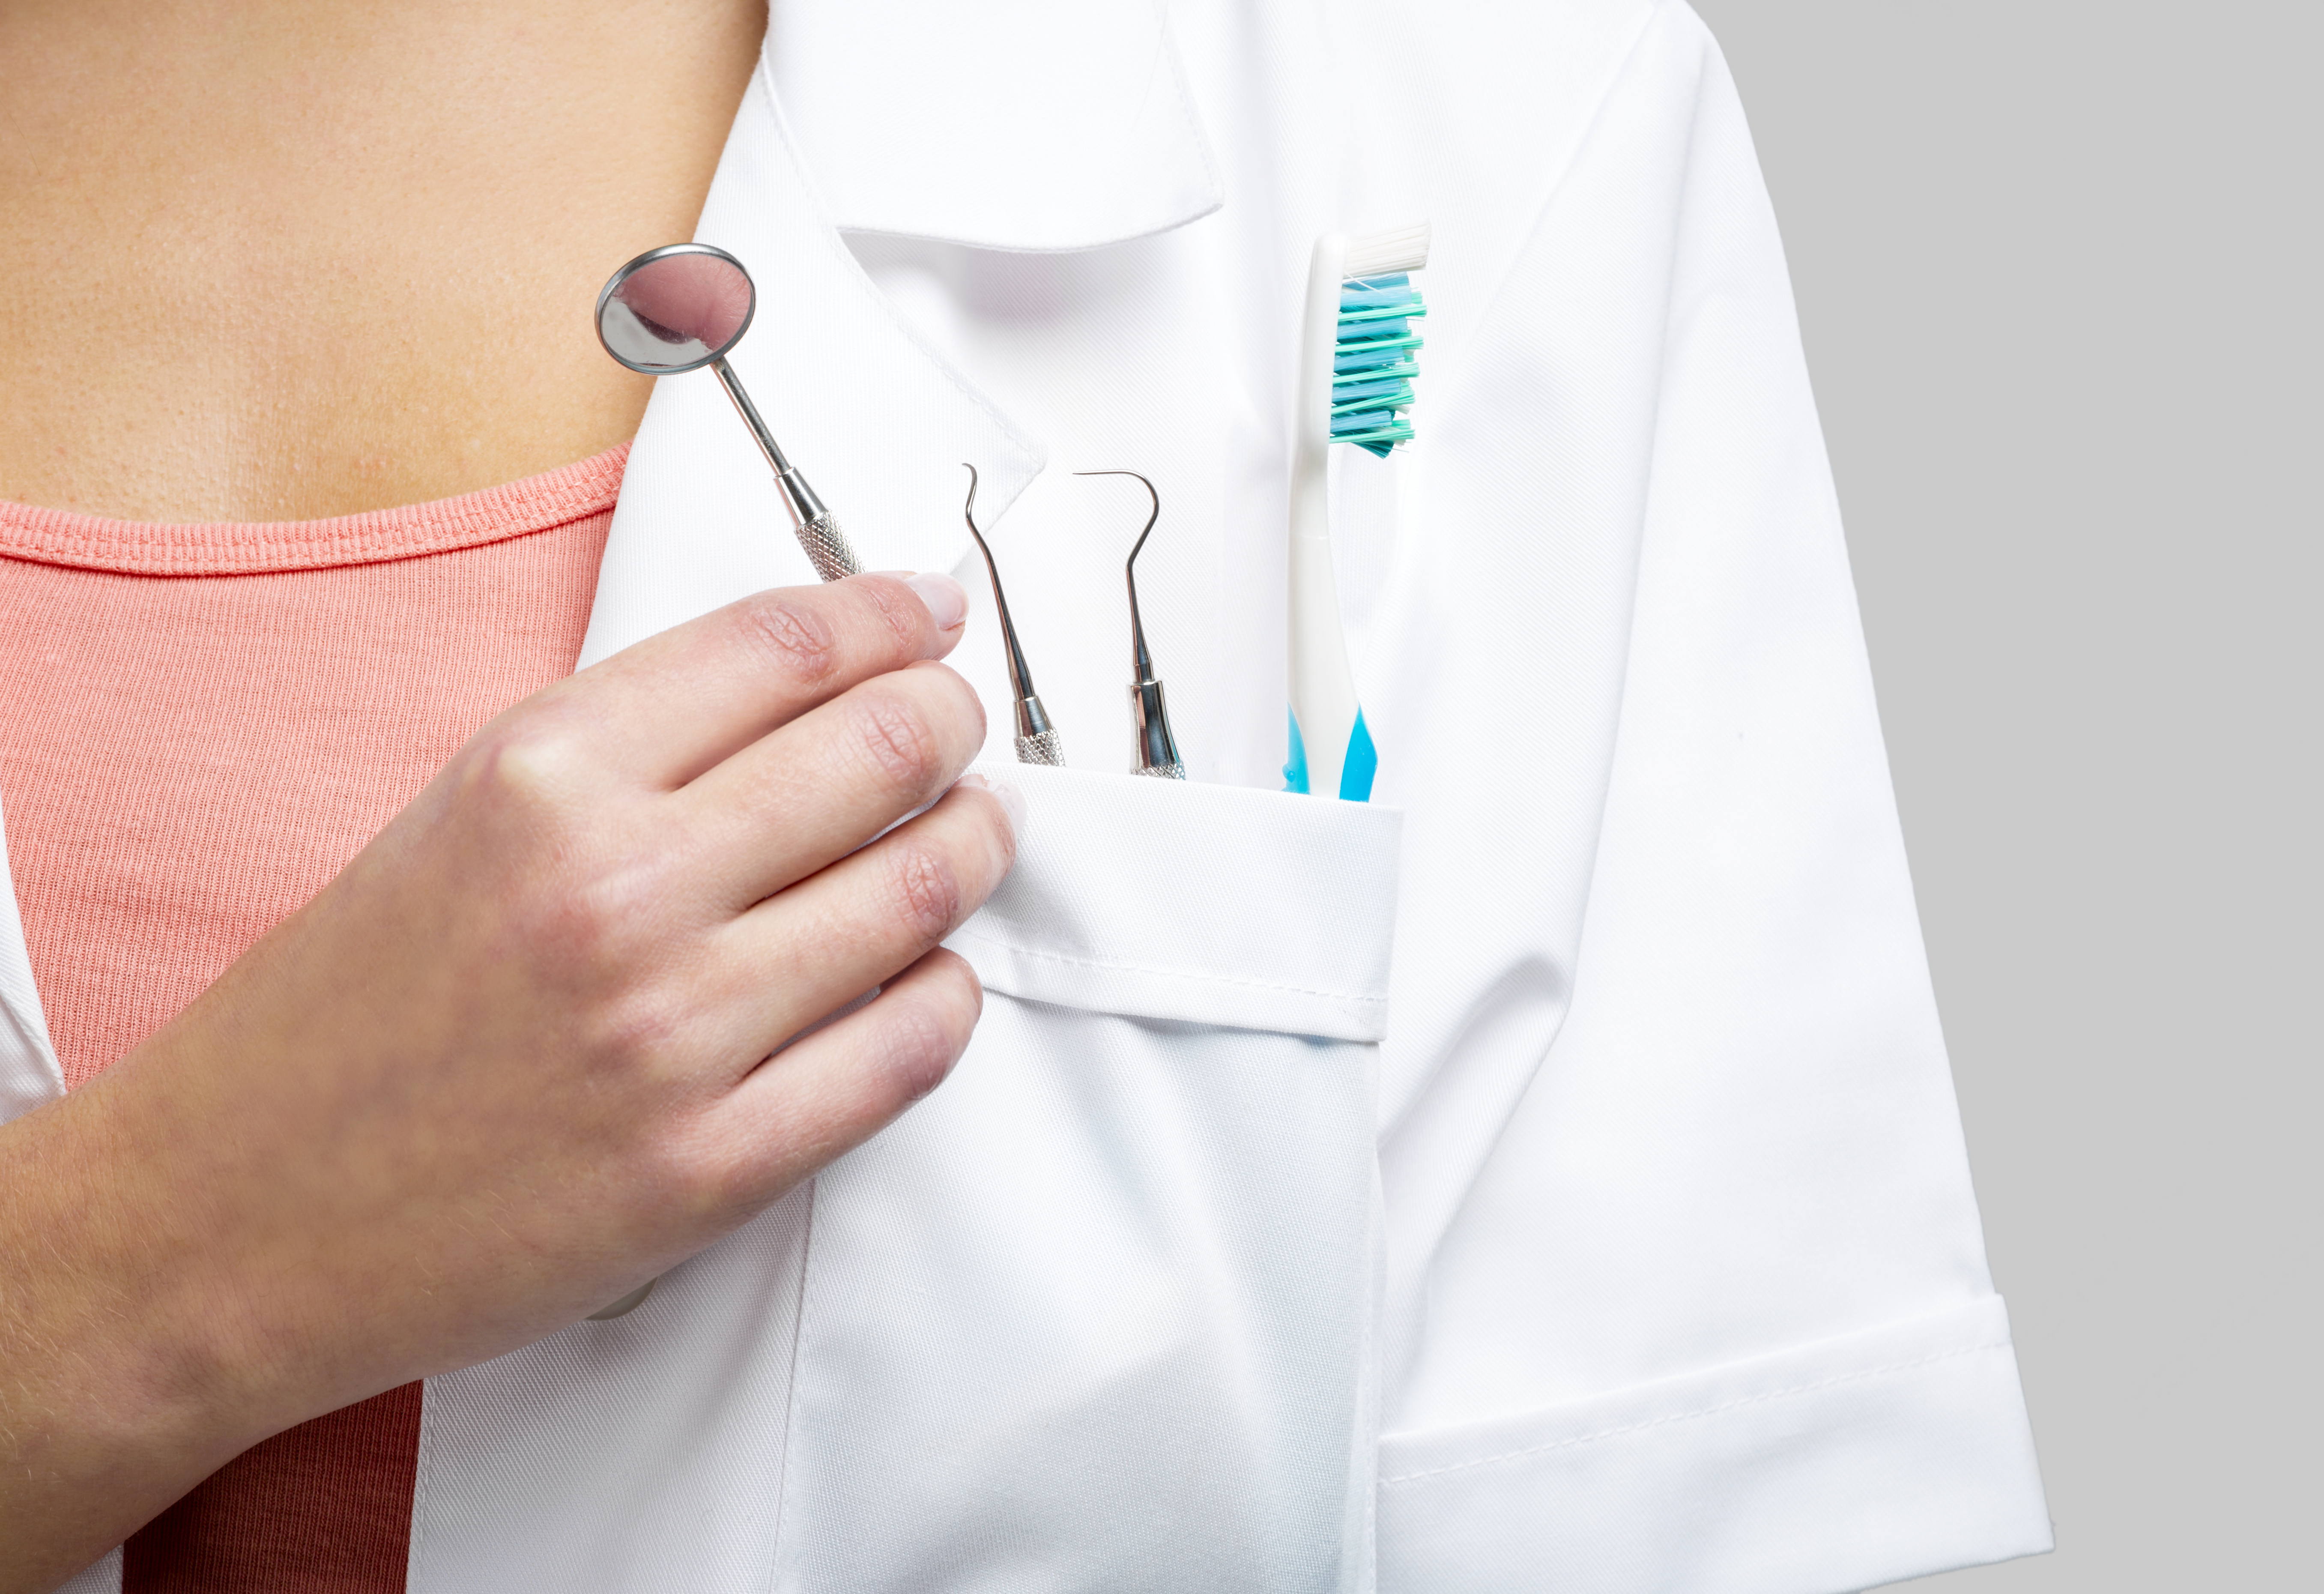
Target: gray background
(2056, 265)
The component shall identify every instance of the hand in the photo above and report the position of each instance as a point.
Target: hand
(520, 1057)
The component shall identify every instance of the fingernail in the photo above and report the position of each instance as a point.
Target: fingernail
(1012, 801)
(947, 599)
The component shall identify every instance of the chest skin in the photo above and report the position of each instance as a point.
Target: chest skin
(285, 260)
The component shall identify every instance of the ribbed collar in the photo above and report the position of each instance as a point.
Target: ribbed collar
(232, 548)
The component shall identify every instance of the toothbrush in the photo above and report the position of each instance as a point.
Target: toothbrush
(1355, 368)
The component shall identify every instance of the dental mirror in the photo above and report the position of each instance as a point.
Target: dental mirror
(679, 308)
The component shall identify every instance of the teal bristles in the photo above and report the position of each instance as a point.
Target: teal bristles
(1373, 367)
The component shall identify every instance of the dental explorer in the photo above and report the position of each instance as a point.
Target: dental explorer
(1038, 741)
(684, 306)
(1150, 720)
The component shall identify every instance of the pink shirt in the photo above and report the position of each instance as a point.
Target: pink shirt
(199, 726)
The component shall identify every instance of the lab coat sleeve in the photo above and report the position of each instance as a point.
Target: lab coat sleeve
(1714, 1314)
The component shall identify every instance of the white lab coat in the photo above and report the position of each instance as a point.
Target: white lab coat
(1545, 1177)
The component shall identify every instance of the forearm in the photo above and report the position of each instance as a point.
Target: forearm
(512, 1063)
(119, 1394)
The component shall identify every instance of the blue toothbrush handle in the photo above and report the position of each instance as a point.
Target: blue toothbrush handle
(1356, 767)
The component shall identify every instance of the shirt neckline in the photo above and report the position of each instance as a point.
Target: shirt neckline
(248, 548)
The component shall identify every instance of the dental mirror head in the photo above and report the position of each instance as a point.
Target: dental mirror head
(676, 309)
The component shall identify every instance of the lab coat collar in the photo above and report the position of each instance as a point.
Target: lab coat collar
(872, 416)
(901, 116)
(1036, 124)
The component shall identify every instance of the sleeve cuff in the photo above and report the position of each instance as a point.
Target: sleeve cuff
(1837, 1466)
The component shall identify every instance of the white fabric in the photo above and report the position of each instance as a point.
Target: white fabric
(103, 1576)
(1680, 1281)
(1143, 1208)
(1205, 905)
(641, 1452)
(962, 133)
(1877, 1456)
(28, 1074)
(700, 520)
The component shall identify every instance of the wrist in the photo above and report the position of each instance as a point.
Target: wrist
(113, 1407)
(128, 1379)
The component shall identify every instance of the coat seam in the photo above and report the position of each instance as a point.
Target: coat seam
(1116, 965)
(784, 1483)
(1710, 1411)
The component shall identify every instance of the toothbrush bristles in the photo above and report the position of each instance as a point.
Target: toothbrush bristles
(1373, 365)
(1399, 249)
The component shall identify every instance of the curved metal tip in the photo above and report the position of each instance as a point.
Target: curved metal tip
(1158, 749)
(1150, 518)
(1020, 677)
(968, 513)
(1141, 662)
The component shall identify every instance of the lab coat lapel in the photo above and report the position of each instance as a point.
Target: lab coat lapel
(848, 90)
(904, 116)
(29, 1074)
(1034, 126)
(868, 413)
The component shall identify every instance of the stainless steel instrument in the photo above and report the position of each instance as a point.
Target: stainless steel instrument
(684, 306)
(1155, 750)
(1038, 741)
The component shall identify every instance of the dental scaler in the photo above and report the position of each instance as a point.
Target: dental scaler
(1038, 741)
(1155, 750)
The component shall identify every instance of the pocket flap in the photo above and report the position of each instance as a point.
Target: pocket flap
(1200, 904)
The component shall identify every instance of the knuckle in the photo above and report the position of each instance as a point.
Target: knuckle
(794, 635)
(524, 767)
(636, 1033)
(968, 990)
(579, 951)
(519, 795)
(898, 740)
(598, 929)
(917, 1046)
(898, 609)
(926, 890)
(960, 696)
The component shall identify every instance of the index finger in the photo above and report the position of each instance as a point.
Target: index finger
(667, 708)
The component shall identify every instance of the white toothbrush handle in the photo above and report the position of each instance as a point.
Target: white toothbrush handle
(1323, 687)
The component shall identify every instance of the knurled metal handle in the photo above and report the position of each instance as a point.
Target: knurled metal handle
(827, 549)
(1047, 748)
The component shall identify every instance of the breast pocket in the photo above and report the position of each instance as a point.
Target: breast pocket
(1096, 1315)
